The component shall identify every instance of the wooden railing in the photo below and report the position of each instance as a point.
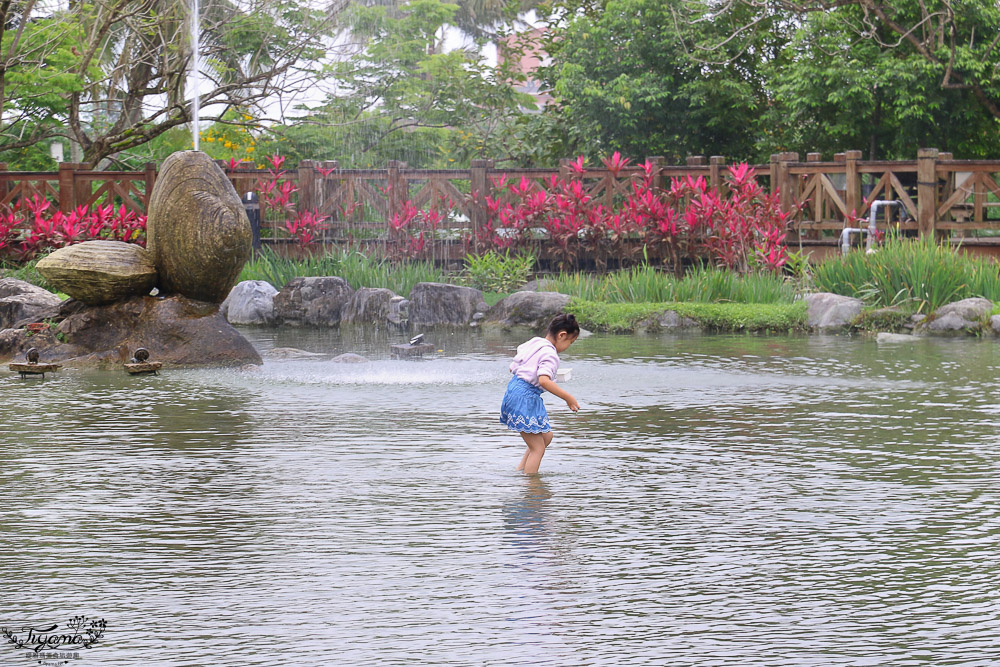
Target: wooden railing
(940, 195)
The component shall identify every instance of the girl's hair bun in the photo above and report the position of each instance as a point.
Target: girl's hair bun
(564, 322)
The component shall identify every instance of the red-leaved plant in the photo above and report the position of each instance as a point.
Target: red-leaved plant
(740, 229)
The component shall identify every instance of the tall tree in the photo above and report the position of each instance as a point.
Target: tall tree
(621, 75)
(111, 75)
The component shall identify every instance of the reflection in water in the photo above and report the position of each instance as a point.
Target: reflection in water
(525, 518)
(718, 500)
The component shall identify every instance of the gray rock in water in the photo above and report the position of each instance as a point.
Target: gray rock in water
(399, 312)
(316, 301)
(974, 309)
(528, 309)
(995, 323)
(832, 311)
(433, 304)
(20, 301)
(949, 323)
(350, 358)
(98, 272)
(197, 229)
(250, 302)
(369, 305)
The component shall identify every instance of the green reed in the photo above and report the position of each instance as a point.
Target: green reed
(355, 267)
(921, 275)
(647, 284)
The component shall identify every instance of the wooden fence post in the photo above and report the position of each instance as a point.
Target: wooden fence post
(394, 184)
(852, 189)
(926, 190)
(481, 188)
(307, 187)
(657, 174)
(715, 171)
(785, 184)
(773, 169)
(67, 189)
(149, 177)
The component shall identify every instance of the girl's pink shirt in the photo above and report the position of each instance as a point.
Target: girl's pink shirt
(536, 357)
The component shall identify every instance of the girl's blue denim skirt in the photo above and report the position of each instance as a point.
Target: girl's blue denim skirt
(522, 409)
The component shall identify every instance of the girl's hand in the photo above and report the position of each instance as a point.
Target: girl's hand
(572, 404)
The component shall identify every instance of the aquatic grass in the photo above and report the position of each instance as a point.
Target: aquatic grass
(647, 284)
(627, 317)
(922, 273)
(355, 267)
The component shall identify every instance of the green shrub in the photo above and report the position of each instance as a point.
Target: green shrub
(493, 272)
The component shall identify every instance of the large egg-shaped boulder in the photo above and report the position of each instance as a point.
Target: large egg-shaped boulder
(197, 229)
(98, 272)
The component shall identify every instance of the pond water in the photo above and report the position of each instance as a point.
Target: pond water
(718, 500)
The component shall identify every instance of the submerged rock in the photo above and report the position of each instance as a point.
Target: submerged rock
(886, 337)
(433, 304)
(350, 358)
(21, 301)
(98, 272)
(291, 353)
(177, 331)
(197, 229)
(250, 302)
(832, 311)
(667, 321)
(529, 309)
(316, 300)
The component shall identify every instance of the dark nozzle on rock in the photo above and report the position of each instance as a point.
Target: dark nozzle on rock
(141, 355)
(32, 355)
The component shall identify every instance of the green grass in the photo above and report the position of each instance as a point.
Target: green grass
(28, 273)
(356, 268)
(626, 317)
(646, 284)
(921, 275)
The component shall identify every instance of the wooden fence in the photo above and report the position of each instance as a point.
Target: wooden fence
(958, 199)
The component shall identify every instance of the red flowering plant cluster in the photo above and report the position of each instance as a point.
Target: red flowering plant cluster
(739, 229)
(33, 226)
(276, 191)
(412, 229)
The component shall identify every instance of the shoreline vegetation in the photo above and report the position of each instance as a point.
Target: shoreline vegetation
(904, 278)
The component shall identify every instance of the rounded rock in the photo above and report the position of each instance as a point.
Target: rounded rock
(198, 232)
(100, 272)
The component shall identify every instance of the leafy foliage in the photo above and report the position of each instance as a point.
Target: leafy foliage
(495, 272)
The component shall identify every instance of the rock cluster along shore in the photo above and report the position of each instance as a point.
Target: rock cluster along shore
(198, 239)
(331, 301)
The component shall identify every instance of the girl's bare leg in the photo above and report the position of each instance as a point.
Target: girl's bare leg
(536, 450)
(520, 466)
(547, 436)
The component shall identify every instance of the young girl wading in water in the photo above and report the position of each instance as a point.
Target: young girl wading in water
(534, 368)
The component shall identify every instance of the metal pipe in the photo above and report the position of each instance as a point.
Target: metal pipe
(873, 213)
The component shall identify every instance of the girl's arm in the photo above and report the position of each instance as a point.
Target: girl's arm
(546, 383)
